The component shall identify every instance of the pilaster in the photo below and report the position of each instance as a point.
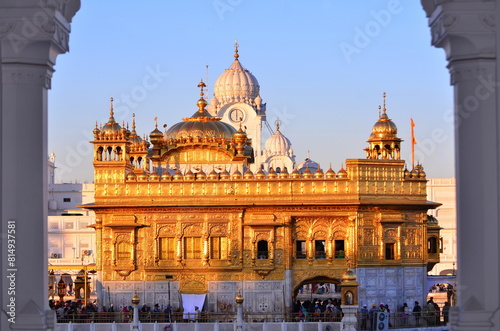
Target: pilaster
(32, 34)
(466, 31)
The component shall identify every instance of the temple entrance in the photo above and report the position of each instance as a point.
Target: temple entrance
(321, 288)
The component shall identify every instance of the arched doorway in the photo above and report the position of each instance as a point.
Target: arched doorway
(320, 287)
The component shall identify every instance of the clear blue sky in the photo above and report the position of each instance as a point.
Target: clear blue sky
(322, 66)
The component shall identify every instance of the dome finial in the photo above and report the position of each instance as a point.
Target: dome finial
(156, 122)
(236, 55)
(111, 113)
(133, 121)
(201, 102)
(384, 96)
(278, 124)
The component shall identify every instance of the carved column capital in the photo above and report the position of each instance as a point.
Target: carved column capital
(35, 32)
(464, 29)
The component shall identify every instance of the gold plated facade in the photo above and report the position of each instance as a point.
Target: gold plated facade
(210, 224)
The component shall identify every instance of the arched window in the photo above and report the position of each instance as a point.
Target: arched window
(262, 250)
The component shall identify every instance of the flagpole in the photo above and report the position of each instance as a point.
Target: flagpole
(413, 142)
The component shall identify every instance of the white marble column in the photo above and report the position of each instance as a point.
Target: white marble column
(32, 34)
(466, 31)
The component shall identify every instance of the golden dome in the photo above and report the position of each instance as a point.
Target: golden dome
(236, 174)
(318, 174)
(166, 176)
(349, 275)
(178, 175)
(154, 176)
(201, 175)
(213, 175)
(260, 174)
(295, 174)
(131, 176)
(136, 300)
(111, 127)
(248, 174)
(189, 175)
(225, 174)
(330, 174)
(134, 138)
(272, 174)
(201, 124)
(239, 299)
(342, 174)
(384, 128)
(284, 173)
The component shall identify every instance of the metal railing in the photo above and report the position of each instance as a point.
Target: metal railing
(203, 317)
(401, 320)
(396, 320)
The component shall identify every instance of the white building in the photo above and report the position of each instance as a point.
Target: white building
(443, 190)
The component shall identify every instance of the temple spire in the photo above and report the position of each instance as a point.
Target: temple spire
(236, 55)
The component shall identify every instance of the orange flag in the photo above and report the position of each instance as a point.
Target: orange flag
(413, 143)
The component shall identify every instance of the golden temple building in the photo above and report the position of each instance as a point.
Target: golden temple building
(202, 209)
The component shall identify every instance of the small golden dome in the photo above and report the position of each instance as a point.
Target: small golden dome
(225, 174)
(136, 300)
(143, 177)
(307, 174)
(248, 174)
(189, 175)
(166, 176)
(239, 299)
(260, 174)
(111, 127)
(384, 128)
(134, 139)
(236, 175)
(330, 174)
(213, 175)
(318, 174)
(154, 176)
(295, 174)
(284, 173)
(178, 175)
(272, 174)
(201, 175)
(348, 276)
(342, 174)
(131, 176)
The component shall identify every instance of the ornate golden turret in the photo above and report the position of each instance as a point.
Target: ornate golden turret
(384, 143)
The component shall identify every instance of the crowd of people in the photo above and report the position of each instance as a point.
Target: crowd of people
(318, 310)
(428, 315)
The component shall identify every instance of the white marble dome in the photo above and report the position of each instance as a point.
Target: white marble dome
(236, 84)
(307, 164)
(278, 144)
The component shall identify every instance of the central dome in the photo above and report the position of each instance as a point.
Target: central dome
(201, 125)
(236, 83)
